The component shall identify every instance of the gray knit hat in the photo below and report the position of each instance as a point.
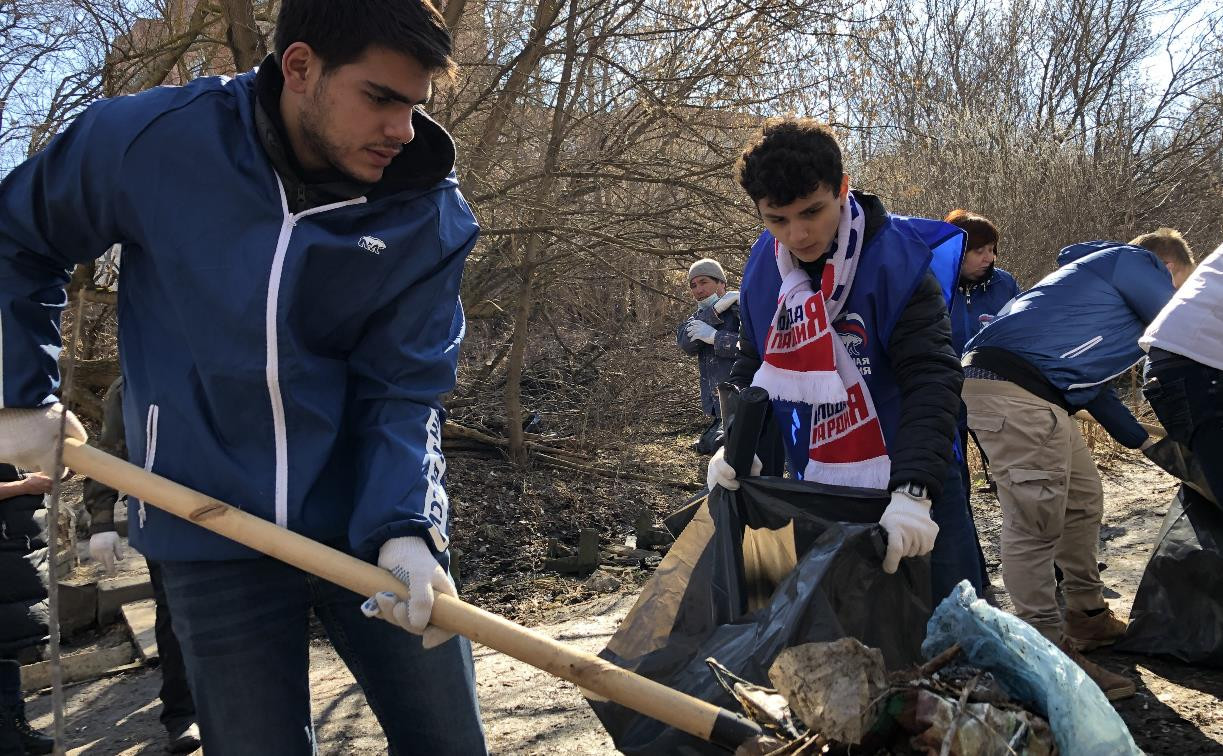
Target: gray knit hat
(707, 267)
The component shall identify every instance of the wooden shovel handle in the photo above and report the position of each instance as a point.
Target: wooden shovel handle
(598, 676)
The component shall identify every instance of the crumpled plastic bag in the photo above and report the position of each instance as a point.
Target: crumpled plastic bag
(1033, 671)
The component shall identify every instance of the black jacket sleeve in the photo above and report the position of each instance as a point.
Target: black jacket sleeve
(747, 363)
(929, 376)
(100, 498)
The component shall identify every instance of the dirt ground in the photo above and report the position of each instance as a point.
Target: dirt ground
(503, 524)
(1177, 709)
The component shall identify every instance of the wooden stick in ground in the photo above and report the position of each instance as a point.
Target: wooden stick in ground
(598, 676)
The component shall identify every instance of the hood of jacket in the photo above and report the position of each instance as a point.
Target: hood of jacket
(1078, 251)
(424, 162)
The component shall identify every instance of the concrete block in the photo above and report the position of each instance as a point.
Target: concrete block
(78, 607)
(78, 667)
(584, 562)
(141, 620)
(588, 550)
(117, 591)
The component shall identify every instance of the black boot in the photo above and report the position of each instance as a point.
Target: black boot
(32, 740)
(17, 738)
(10, 696)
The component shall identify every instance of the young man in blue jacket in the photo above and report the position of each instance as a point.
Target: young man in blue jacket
(844, 312)
(711, 334)
(1051, 354)
(293, 241)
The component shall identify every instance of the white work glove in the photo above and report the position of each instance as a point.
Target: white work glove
(29, 437)
(105, 549)
(720, 473)
(910, 530)
(699, 331)
(411, 562)
(726, 301)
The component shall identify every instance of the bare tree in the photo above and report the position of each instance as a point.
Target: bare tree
(596, 140)
(242, 34)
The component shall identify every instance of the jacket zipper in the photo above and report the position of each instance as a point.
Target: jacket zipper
(271, 333)
(150, 449)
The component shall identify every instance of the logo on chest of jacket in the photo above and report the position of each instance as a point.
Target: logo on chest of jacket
(852, 330)
(371, 244)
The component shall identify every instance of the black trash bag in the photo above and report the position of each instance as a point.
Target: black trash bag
(1178, 610)
(773, 565)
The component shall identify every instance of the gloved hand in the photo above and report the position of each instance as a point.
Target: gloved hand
(910, 530)
(699, 331)
(105, 549)
(726, 301)
(28, 437)
(411, 562)
(720, 473)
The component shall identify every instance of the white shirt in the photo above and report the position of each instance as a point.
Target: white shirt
(1191, 324)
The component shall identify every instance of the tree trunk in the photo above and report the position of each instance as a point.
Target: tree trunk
(518, 348)
(155, 72)
(453, 12)
(481, 156)
(530, 255)
(242, 35)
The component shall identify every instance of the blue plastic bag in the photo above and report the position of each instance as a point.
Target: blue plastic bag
(1033, 671)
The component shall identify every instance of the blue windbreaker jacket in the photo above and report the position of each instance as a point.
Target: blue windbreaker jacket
(1080, 324)
(289, 364)
(985, 298)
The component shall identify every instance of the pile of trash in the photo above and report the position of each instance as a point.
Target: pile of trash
(839, 694)
(993, 687)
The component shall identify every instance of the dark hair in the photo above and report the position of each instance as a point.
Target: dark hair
(790, 158)
(1168, 245)
(341, 32)
(980, 230)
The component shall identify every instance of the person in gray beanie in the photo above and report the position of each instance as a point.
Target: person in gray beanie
(711, 334)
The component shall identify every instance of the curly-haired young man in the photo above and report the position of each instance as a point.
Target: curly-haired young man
(845, 324)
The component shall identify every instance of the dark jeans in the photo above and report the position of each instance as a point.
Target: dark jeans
(957, 551)
(177, 708)
(244, 630)
(1187, 397)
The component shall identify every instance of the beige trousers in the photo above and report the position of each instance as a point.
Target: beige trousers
(1051, 497)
